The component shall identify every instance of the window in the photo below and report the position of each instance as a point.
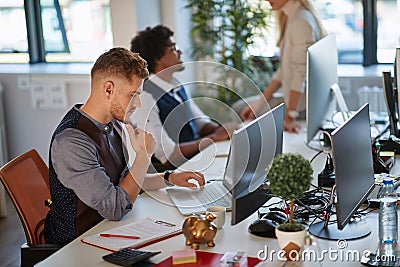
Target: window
(13, 43)
(80, 30)
(68, 31)
(76, 30)
(366, 30)
(388, 29)
(344, 18)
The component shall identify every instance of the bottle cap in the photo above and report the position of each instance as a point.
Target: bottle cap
(387, 181)
(378, 146)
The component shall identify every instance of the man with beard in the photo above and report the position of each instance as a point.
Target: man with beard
(177, 123)
(90, 178)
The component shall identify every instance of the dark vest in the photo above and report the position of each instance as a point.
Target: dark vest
(69, 216)
(176, 117)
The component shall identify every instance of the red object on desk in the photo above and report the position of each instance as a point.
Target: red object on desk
(205, 259)
(138, 246)
(120, 236)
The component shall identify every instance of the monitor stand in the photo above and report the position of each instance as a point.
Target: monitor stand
(340, 101)
(324, 230)
(353, 230)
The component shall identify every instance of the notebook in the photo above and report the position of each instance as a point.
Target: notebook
(148, 230)
(217, 193)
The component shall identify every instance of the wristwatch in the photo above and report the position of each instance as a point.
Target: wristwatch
(293, 114)
(166, 177)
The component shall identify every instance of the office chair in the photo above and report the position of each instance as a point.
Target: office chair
(26, 180)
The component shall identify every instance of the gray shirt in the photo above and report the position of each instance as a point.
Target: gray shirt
(76, 162)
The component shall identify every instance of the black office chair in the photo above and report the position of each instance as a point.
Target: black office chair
(26, 180)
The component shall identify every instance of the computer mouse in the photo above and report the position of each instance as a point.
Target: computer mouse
(277, 216)
(263, 228)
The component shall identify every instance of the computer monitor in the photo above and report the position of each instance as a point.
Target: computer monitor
(322, 90)
(259, 142)
(391, 86)
(391, 102)
(397, 82)
(352, 159)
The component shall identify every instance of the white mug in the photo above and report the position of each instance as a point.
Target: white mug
(219, 214)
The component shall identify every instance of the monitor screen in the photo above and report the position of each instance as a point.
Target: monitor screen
(352, 159)
(258, 143)
(397, 82)
(322, 60)
(391, 102)
(354, 178)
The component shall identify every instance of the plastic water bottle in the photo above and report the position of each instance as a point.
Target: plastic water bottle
(388, 213)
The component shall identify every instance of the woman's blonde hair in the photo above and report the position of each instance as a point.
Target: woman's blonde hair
(281, 19)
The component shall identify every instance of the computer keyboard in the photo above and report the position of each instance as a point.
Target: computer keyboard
(128, 256)
(210, 196)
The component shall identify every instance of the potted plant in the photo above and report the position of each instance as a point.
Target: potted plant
(290, 175)
(223, 31)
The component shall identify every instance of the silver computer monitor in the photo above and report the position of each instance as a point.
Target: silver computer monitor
(352, 159)
(397, 82)
(254, 147)
(322, 61)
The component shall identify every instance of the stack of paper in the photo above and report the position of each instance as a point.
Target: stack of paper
(183, 256)
(148, 230)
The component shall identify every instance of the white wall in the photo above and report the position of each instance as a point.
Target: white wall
(124, 25)
(148, 13)
(29, 127)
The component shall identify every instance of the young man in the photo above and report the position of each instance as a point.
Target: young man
(179, 126)
(89, 177)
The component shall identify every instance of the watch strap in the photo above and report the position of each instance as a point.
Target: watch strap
(167, 174)
(293, 113)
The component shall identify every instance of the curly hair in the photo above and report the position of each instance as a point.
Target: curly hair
(151, 44)
(120, 62)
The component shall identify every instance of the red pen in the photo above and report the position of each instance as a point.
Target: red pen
(120, 236)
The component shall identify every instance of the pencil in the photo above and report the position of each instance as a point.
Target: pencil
(120, 236)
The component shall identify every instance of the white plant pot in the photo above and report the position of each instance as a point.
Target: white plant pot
(291, 242)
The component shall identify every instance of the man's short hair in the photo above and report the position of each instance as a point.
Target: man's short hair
(151, 44)
(121, 63)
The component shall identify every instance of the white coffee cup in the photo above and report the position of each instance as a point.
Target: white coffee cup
(219, 214)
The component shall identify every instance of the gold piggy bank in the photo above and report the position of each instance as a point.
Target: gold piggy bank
(198, 230)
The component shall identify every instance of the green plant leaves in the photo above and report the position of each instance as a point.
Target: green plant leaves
(289, 175)
(291, 227)
(222, 31)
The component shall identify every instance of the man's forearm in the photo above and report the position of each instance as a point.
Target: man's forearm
(132, 182)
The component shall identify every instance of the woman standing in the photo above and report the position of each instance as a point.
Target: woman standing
(299, 27)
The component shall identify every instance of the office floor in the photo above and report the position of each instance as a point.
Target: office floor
(11, 237)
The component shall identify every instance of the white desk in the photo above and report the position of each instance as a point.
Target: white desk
(230, 238)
